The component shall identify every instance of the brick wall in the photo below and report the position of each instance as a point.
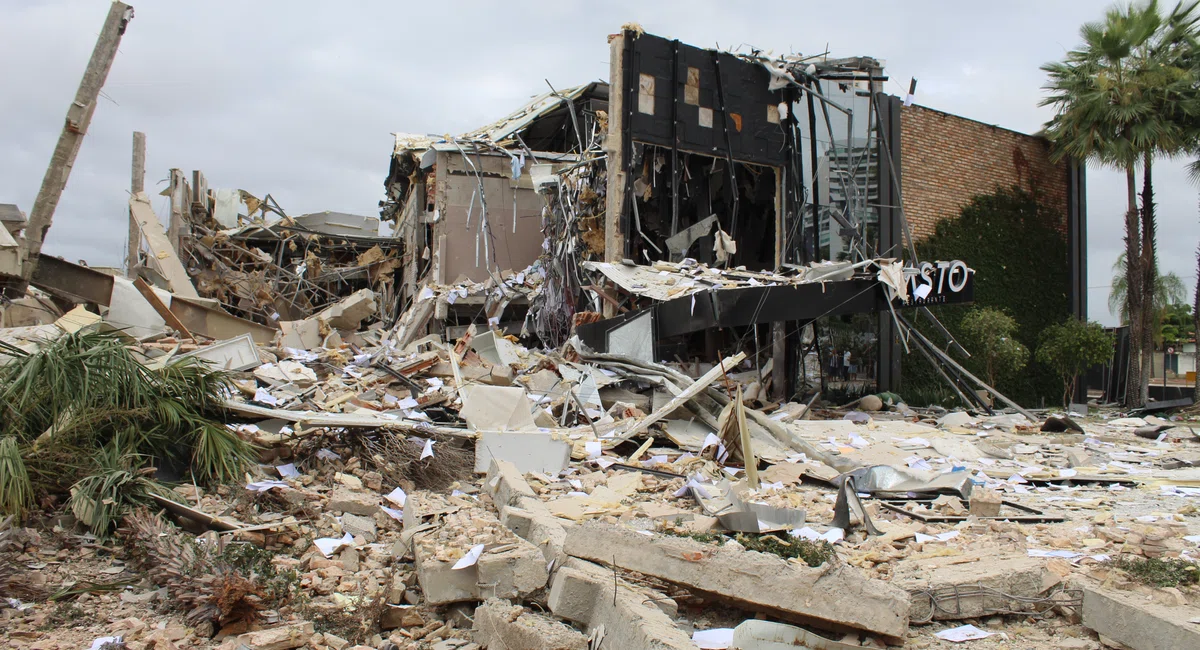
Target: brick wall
(947, 159)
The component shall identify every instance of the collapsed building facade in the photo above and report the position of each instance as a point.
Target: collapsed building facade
(703, 200)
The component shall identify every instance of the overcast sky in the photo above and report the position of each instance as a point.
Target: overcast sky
(298, 98)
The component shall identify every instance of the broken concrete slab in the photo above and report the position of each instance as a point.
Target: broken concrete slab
(300, 334)
(497, 408)
(284, 637)
(349, 312)
(529, 451)
(500, 624)
(1130, 619)
(834, 596)
(162, 254)
(586, 594)
(342, 500)
(524, 513)
(231, 354)
(359, 526)
(444, 532)
(937, 586)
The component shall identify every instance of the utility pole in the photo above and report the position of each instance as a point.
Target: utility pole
(137, 183)
(79, 117)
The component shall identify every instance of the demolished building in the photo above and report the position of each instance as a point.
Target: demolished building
(710, 225)
(549, 385)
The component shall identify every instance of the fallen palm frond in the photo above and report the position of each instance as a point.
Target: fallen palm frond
(16, 492)
(74, 396)
(221, 585)
(119, 483)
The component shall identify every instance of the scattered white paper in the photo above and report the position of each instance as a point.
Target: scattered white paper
(426, 294)
(111, 641)
(287, 471)
(945, 537)
(407, 403)
(1041, 552)
(263, 486)
(715, 639)
(594, 448)
(858, 442)
(605, 463)
(963, 633)
(263, 397)
(398, 515)
(693, 483)
(397, 497)
(654, 460)
(427, 452)
(470, 558)
(916, 462)
(325, 454)
(330, 545)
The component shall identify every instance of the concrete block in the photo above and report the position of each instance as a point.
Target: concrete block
(355, 503)
(349, 312)
(528, 451)
(359, 526)
(284, 637)
(941, 580)
(831, 596)
(1131, 620)
(523, 512)
(508, 487)
(500, 624)
(509, 567)
(583, 593)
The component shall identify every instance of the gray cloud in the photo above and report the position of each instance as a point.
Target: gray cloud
(298, 98)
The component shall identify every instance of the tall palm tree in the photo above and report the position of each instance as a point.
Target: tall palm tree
(1169, 290)
(1121, 98)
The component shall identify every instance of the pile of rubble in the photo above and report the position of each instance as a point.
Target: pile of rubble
(423, 493)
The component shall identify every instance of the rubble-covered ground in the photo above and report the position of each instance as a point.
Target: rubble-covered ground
(475, 493)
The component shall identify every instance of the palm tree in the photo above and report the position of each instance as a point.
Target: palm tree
(1169, 290)
(1125, 95)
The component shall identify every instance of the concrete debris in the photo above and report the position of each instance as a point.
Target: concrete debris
(1133, 622)
(741, 577)
(459, 440)
(500, 624)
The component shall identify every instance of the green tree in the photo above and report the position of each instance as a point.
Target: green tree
(1178, 325)
(1169, 291)
(991, 337)
(1020, 260)
(1128, 93)
(1071, 348)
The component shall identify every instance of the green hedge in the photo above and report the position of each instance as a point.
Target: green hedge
(1020, 263)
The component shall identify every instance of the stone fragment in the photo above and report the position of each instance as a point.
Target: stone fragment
(585, 593)
(1129, 619)
(985, 503)
(500, 624)
(356, 503)
(284, 637)
(359, 526)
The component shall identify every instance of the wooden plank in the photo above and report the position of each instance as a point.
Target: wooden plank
(161, 251)
(137, 183)
(683, 397)
(148, 293)
(79, 118)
